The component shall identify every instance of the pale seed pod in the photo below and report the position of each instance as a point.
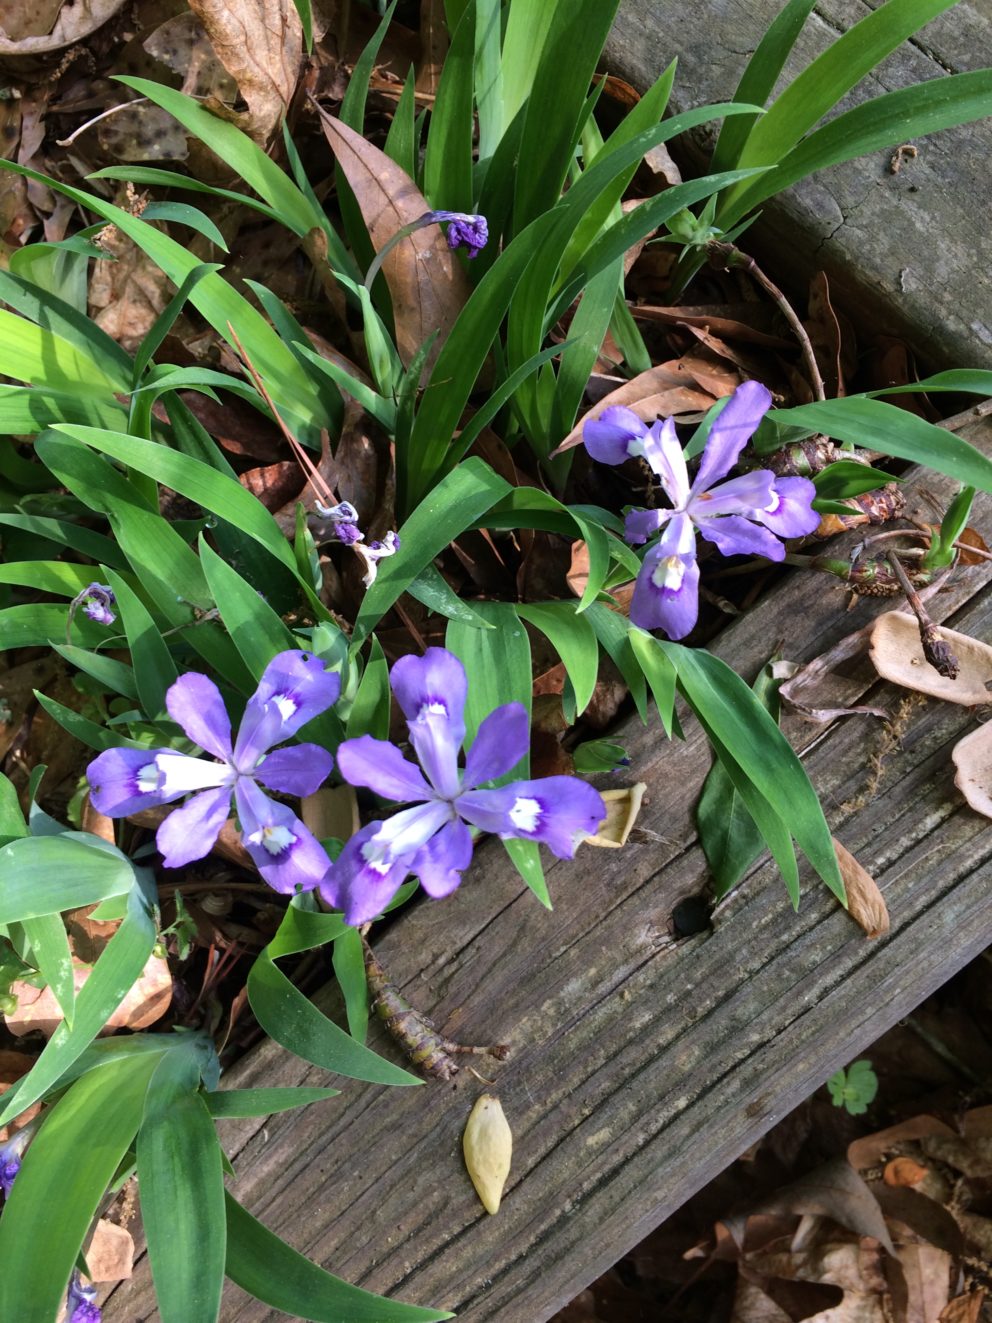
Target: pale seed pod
(488, 1148)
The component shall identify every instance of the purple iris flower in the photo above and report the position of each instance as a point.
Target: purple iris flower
(11, 1153)
(80, 1303)
(465, 231)
(96, 600)
(293, 689)
(745, 516)
(431, 839)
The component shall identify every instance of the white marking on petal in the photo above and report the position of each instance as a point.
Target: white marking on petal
(669, 573)
(286, 705)
(274, 840)
(377, 855)
(149, 778)
(525, 814)
(435, 708)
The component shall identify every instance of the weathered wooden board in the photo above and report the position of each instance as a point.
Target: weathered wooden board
(641, 1067)
(909, 253)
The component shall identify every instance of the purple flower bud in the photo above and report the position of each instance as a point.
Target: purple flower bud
(96, 600)
(11, 1153)
(469, 232)
(80, 1303)
(349, 534)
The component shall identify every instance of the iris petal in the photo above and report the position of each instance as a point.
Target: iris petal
(431, 691)
(667, 459)
(298, 769)
(734, 536)
(440, 863)
(731, 432)
(285, 852)
(361, 887)
(792, 514)
(124, 781)
(194, 702)
(559, 811)
(615, 435)
(299, 686)
(503, 739)
(378, 765)
(666, 595)
(189, 833)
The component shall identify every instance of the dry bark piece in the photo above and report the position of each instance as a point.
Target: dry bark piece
(897, 654)
(972, 757)
(866, 1152)
(488, 1148)
(426, 282)
(865, 902)
(963, 1309)
(259, 43)
(622, 808)
(110, 1253)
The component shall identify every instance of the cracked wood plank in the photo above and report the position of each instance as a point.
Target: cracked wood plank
(640, 1067)
(908, 254)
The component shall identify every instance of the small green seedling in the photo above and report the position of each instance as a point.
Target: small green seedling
(854, 1088)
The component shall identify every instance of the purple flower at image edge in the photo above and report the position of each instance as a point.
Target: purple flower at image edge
(80, 1303)
(294, 689)
(11, 1153)
(96, 599)
(744, 516)
(431, 839)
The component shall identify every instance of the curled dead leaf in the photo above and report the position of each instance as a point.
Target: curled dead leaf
(622, 808)
(259, 43)
(27, 31)
(972, 758)
(865, 902)
(488, 1148)
(658, 393)
(897, 654)
(426, 282)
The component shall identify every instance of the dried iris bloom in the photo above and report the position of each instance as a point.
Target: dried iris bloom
(293, 689)
(432, 839)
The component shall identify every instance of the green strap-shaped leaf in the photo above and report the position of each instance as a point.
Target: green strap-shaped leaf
(270, 1270)
(349, 970)
(45, 875)
(258, 633)
(226, 1104)
(113, 976)
(64, 1176)
(181, 1186)
(736, 719)
(12, 822)
(154, 669)
(456, 503)
(288, 1017)
(50, 952)
(61, 318)
(659, 673)
(573, 638)
(448, 157)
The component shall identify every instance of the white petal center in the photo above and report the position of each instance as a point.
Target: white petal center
(525, 814)
(669, 573)
(274, 840)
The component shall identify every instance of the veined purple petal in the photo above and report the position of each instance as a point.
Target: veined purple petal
(362, 886)
(440, 863)
(402, 835)
(666, 594)
(731, 432)
(642, 524)
(735, 536)
(666, 458)
(261, 726)
(431, 692)
(288, 855)
(296, 770)
(194, 702)
(378, 765)
(180, 773)
(502, 740)
(189, 832)
(297, 683)
(616, 435)
(123, 781)
(790, 514)
(744, 495)
(556, 810)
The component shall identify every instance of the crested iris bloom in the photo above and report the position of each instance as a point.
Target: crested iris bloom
(293, 689)
(747, 515)
(431, 839)
(11, 1153)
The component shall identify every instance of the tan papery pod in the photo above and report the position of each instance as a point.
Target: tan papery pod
(488, 1148)
(864, 900)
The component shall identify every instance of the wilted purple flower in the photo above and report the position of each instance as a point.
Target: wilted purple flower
(373, 552)
(465, 231)
(80, 1302)
(11, 1153)
(745, 516)
(96, 600)
(293, 689)
(431, 839)
(339, 523)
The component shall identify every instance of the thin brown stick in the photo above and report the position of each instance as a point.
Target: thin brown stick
(935, 650)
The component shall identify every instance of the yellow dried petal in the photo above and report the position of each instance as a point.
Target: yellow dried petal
(488, 1148)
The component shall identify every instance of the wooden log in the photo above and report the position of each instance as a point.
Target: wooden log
(641, 1066)
(907, 254)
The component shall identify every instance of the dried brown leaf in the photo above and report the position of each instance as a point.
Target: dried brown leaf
(622, 808)
(126, 296)
(726, 320)
(658, 393)
(30, 29)
(259, 43)
(834, 1190)
(963, 1309)
(146, 1001)
(865, 902)
(972, 758)
(426, 282)
(870, 1149)
(181, 44)
(897, 654)
(927, 1271)
(925, 1217)
(110, 1253)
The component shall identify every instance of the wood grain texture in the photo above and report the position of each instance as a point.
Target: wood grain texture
(641, 1066)
(908, 254)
